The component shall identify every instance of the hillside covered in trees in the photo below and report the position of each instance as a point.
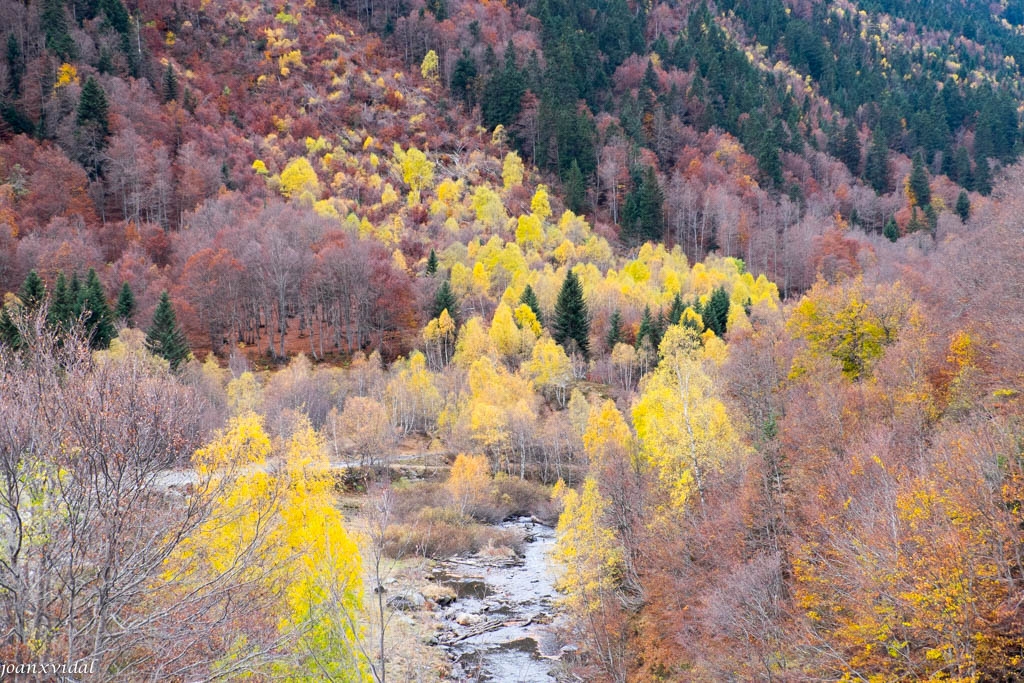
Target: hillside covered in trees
(731, 290)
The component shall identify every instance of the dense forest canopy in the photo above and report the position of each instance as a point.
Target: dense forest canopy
(729, 291)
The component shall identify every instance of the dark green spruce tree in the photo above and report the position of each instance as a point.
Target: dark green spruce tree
(432, 263)
(96, 317)
(15, 64)
(650, 329)
(170, 85)
(10, 336)
(848, 147)
(503, 93)
(575, 189)
(93, 108)
(716, 312)
(919, 182)
(59, 315)
(124, 310)
(54, 22)
(891, 230)
(164, 338)
(675, 313)
(614, 335)
(571, 326)
(32, 292)
(529, 297)
(963, 206)
(876, 166)
(642, 217)
(464, 78)
(444, 300)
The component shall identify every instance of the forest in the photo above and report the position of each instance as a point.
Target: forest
(303, 299)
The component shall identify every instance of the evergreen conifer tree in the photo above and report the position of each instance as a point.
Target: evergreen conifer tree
(915, 223)
(529, 297)
(571, 326)
(170, 85)
(962, 168)
(93, 107)
(432, 263)
(464, 78)
(9, 334)
(614, 335)
(891, 230)
(642, 217)
(963, 206)
(849, 147)
(503, 94)
(650, 330)
(982, 176)
(919, 182)
(164, 338)
(15, 64)
(54, 22)
(876, 166)
(125, 308)
(59, 315)
(97, 320)
(32, 292)
(675, 313)
(74, 297)
(444, 300)
(716, 312)
(931, 218)
(575, 188)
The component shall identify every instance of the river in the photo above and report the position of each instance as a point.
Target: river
(502, 627)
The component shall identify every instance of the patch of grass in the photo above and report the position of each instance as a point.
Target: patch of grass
(442, 532)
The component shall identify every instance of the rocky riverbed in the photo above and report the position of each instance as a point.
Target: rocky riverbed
(498, 619)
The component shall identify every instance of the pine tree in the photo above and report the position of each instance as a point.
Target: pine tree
(891, 230)
(575, 189)
(572, 323)
(432, 263)
(32, 292)
(642, 217)
(876, 166)
(125, 308)
(15, 64)
(614, 335)
(170, 90)
(92, 107)
(675, 313)
(962, 173)
(918, 183)
(849, 147)
(982, 176)
(74, 297)
(650, 329)
(54, 22)
(716, 312)
(963, 206)
(931, 218)
(464, 78)
(529, 297)
(59, 315)
(164, 338)
(118, 17)
(915, 223)
(444, 300)
(9, 334)
(503, 94)
(97, 320)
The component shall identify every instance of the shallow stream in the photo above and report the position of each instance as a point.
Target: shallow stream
(502, 625)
